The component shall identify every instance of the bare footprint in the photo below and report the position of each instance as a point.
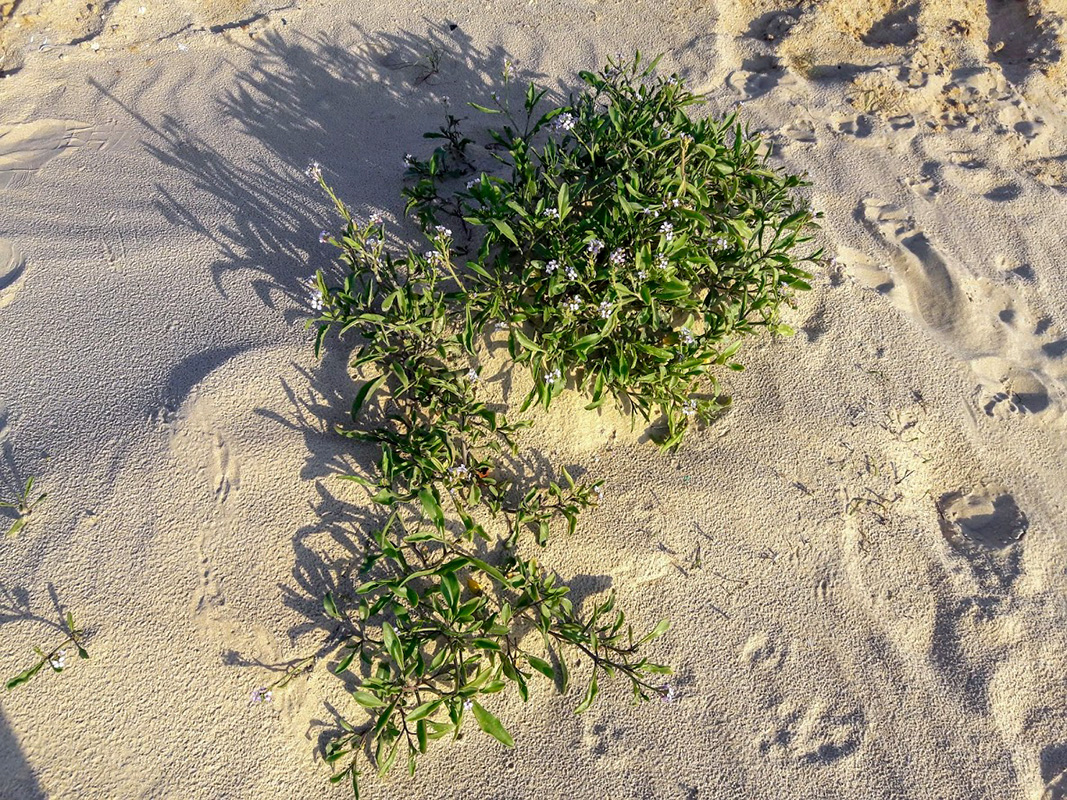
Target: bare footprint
(12, 272)
(26, 147)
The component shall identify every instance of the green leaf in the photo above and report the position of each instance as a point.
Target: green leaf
(491, 725)
(542, 666)
(590, 695)
(331, 606)
(526, 341)
(392, 644)
(365, 391)
(366, 699)
(505, 229)
(484, 109)
(655, 633)
(420, 712)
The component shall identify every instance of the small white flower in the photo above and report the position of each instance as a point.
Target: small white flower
(472, 375)
(618, 257)
(670, 695)
(460, 471)
(551, 266)
(324, 236)
(59, 660)
(261, 695)
(551, 213)
(599, 489)
(573, 304)
(553, 376)
(376, 219)
(316, 297)
(685, 137)
(667, 230)
(595, 246)
(661, 261)
(564, 122)
(570, 272)
(409, 160)
(442, 230)
(314, 171)
(605, 309)
(468, 704)
(473, 182)
(642, 274)
(501, 326)
(686, 336)
(719, 242)
(674, 80)
(689, 408)
(675, 203)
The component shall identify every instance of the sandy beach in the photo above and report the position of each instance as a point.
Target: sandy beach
(864, 561)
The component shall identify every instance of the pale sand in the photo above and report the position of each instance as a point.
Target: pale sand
(155, 230)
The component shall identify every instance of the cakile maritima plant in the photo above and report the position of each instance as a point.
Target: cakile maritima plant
(621, 245)
(622, 242)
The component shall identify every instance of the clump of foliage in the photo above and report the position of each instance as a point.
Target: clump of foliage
(55, 658)
(23, 506)
(622, 242)
(444, 611)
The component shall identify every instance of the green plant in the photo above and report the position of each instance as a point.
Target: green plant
(23, 507)
(620, 241)
(56, 658)
(444, 610)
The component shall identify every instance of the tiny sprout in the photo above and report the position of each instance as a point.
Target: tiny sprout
(23, 507)
(56, 658)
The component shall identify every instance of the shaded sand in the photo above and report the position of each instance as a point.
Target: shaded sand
(865, 561)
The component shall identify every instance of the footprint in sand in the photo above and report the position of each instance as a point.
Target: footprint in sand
(816, 730)
(26, 147)
(1018, 374)
(12, 272)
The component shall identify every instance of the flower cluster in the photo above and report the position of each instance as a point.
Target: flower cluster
(605, 309)
(686, 336)
(564, 122)
(553, 376)
(551, 213)
(261, 695)
(573, 304)
(594, 247)
(551, 266)
(689, 408)
(314, 171)
(59, 660)
(667, 230)
(618, 257)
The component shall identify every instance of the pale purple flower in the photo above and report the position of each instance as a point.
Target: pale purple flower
(376, 219)
(564, 122)
(468, 704)
(686, 336)
(553, 376)
(551, 266)
(605, 309)
(667, 230)
(594, 247)
(461, 472)
(570, 272)
(669, 696)
(442, 230)
(324, 236)
(261, 695)
(472, 375)
(618, 257)
(314, 171)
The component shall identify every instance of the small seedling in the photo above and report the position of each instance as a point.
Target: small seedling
(23, 507)
(56, 658)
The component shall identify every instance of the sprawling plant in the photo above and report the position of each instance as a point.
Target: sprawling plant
(444, 610)
(621, 242)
